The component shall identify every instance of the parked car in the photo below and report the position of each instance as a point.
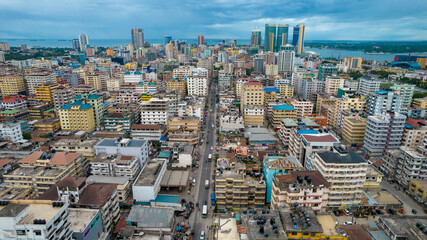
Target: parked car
(392, 212)
(348, 223)
(202, 235)
(379, 212)
(347, 212)
(341, 212)
(336, 213)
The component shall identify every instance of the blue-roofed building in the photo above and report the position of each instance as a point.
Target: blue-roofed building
(273, 165)
(124, 146)
(271, 89)
(281, 112)
(407, 65)
(77, 116)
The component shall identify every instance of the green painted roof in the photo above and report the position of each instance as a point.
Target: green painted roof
(10, 111)
(93, 96)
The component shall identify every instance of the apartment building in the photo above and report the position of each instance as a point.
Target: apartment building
(119, 121)
(11, 131)
(149, 132)
(345, 173)
(252, 93)
(411, 165)
(197, 86)
(36, 79)
(155, 111)
(115, 165)
(63, 96)
(15, 102)
(183, 124)
(77, 116)
(302, 107)
(132, 77)
(368, 85)
(83, 146)
(286, 91)
(383, 132)
(182, 72)
(177, 86)
(126, 97)
(234, 189)
(354, 129)
(11, 85)
(383, 101)
(113, 84)
(289, 127)
(406, 91)
(414, 134)
(271, 94)
(420, 102)
(253, 116)
(301, 188)
(44, 92)
(281, 112)
(332, 83)
(35, 219)
(126, 147)
(32, 172)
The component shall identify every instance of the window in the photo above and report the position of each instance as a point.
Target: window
(20, 232)
(37, 232)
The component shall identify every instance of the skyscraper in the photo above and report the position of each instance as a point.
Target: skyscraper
(286, 59)
(83, 41)
(76, 44)
(269, 39)
(298, 38)
(256, 39)
(282, 36)
(137, 38)
(201, 40)
(167, 39)
(259, 65)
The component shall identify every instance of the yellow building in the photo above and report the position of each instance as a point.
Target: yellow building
(145, 97)
(32, 172)
(303, 107)
(11, 85)
(373, 178)
(183, 124)
(176, 85)
(354, 129)
(418, 189)
(286, 91)
(85, 147)
(271, 94)
(44, 92)
(281, 112)
(48, 125)
(110, 52)
(352, 102)
(131, 66)
(422, 62)
(420, 102)
(93, 80)
(252, 94)
(77, 116)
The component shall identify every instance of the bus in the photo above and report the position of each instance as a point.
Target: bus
(205, 211)
(210, 157)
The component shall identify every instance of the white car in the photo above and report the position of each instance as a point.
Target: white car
(202, 235)
(348, 223)
(211, 148)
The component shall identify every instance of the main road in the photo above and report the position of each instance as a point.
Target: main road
(202, 194)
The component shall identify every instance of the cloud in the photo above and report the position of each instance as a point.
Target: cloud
(113, 19)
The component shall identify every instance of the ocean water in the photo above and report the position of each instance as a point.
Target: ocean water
(324, 52)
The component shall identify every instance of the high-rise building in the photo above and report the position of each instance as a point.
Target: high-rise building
(167, 39)
(368, 85)
(383, 132)
(77, 116)
(259, 65)
(2, 57)
(406, 91)
(4, 46)
(383, 101)
(327, 70)
(256, 39)
(201, 40)
(286, 59)
(83, 41)
(11, 85)
(332, 84)
(76, 44)
(270, 37)
(282, 36)
(298, 38)
(137, 37)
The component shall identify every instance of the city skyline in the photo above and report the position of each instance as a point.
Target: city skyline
(331, 20)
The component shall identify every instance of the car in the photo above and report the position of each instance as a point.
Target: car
(205, 202)
(379, 212)
(341, 212)
(336, 213)
(392, 212)
(212, 148)
(202, 235)
(348, 223)
(347, 211)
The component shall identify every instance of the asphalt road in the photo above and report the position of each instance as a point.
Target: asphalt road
(408, 203)
(205, 172)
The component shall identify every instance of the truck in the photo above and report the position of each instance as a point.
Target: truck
(207, 184)
(205, 211)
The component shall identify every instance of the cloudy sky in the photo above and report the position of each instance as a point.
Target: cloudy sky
(113, 19)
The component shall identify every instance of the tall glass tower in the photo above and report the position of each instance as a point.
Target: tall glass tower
(282, 36)
(256, 39)
(167, 39)
(269, 39)
(298, 38)
(137, 38)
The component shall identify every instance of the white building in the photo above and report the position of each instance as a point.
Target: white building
(155, 111)
(34, 219)
(345, 173)
(149, 132)
(368, 85)
(199, 72)
(14, 103)
(197, 86)
(147, 184)
(332, 83)
(132, 77)
(126, 147)
(11, 131)
(286, 60)
(115, 165)
(271, 70)
(36, 79)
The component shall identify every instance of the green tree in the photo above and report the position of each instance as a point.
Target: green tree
(26, 136)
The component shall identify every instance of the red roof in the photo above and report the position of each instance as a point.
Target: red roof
(97, 194)
(63, 158)
(319, 138)
(253, 83)
(32, 158)
(4, 161)
(415, 123)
